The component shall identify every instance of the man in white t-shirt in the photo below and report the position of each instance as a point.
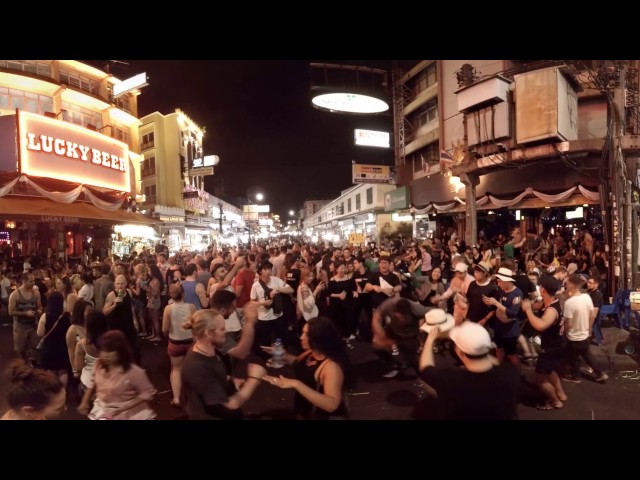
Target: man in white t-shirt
(270, 324)
(579, 315)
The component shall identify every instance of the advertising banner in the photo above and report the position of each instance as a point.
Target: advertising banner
(64, 151)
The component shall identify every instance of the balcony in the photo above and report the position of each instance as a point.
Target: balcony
(147, 172)
(147, 146)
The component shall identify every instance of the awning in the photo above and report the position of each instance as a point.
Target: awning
(35, 209)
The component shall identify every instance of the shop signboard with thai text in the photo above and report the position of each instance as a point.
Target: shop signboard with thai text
(61, 150)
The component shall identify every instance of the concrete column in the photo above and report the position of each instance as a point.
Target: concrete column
(471, 216)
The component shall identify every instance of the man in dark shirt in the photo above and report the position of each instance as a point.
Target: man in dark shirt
(507, 325)
(483, 389)
(362, 299)
(395, 326)
(383, 283)
(596, 297)
(478, 311)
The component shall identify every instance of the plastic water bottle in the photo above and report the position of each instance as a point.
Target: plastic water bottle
(277, 357)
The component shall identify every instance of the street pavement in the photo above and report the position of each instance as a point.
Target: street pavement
(376, 398)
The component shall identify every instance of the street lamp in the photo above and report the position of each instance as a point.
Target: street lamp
(259, 197)
(291, 213)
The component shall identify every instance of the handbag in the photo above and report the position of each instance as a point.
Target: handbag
(277, 304)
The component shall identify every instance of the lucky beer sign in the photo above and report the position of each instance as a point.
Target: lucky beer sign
(61, 150)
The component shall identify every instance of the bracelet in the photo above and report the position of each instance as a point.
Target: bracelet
(255, 378)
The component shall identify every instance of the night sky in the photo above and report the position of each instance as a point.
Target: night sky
(260, 122)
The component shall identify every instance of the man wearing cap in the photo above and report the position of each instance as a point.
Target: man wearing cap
(481, 286)
(483, 389)
(553, 341)
(458, 287)
(507, 301)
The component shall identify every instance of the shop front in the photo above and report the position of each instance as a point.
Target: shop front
(534, 197)
(71, 186)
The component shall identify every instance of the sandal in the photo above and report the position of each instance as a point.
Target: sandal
(548, 406)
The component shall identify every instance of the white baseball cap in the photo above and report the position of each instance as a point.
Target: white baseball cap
(461, 267)
(472, 338)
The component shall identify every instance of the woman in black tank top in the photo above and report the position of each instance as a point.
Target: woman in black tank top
(320, 372)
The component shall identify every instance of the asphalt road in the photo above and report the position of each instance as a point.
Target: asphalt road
(377, 398)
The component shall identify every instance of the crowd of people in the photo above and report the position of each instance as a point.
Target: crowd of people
(493, 306)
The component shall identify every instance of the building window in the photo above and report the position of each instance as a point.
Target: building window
(28, 66)
(426, 78)
(147, 141)
(120, 132)
(429, 155)
(425, 114)
(348, 205)
(123, 103)
(149, 166)
(357, 202)
(81, 116)
(10, 99)
(81, 82)
(150, 194)
(369, 195)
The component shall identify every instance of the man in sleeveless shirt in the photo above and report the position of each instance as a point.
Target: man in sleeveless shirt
(25, 307)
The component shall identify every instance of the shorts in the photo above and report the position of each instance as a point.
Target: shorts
(508, 344)
(179, 348)
(25, 339)
(550, 360)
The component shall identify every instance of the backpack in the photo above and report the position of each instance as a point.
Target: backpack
(277, 304)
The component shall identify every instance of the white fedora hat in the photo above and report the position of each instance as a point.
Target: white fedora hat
(505, 275)
(437, 317)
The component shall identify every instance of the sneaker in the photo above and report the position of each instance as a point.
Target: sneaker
(602, 378)
(351, 338)
(586, 370)
(393, 373)
(571, 378)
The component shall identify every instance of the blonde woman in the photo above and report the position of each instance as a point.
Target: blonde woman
(180, 340)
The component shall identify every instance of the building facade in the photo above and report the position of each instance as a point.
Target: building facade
(69, 157)
(491, 144)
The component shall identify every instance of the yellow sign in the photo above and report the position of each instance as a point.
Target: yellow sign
(356, 238)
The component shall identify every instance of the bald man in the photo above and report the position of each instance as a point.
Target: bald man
(119, 312)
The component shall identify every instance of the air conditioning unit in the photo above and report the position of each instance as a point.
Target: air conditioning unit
(546, 106)
(483, 93)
